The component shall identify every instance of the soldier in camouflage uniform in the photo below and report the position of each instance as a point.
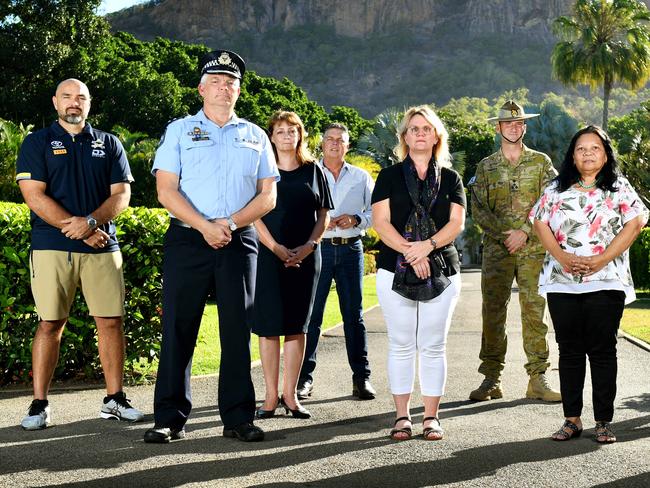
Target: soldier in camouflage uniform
(506, 186)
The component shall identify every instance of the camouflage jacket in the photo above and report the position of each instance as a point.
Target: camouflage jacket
(503, 194)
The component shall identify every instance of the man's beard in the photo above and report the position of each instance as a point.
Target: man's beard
(73, 119)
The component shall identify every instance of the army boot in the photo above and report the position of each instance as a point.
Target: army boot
(489, 390)
(539, 389)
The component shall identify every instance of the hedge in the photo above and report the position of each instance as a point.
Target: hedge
(640, 260)
(140, 233)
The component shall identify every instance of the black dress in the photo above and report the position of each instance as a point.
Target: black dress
(284, 296)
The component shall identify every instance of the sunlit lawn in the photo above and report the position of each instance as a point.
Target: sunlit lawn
(636, 319)
(636, 322)
(208, 349)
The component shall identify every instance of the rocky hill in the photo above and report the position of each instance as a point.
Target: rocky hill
(371, 54)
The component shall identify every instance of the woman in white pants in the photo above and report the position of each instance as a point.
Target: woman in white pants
(418, 209)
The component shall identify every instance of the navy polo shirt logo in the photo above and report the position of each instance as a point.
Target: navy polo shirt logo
(58, 148)
(98, 148)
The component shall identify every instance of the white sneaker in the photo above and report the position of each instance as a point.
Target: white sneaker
(38, 416)
(117, 406)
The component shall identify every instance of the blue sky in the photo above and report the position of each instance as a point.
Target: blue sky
(109, 6)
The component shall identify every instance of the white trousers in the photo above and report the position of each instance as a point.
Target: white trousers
(417, 327)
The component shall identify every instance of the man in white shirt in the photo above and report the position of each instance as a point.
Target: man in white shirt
(342, 260)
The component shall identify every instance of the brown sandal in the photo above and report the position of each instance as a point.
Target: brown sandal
(562, 434)
(604, 434)
(436, 430)
(394, 433)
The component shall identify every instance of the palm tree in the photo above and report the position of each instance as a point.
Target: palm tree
(379, 141)
(605, 41)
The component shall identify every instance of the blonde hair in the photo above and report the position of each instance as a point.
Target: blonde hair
(303, 155)
(440, 150)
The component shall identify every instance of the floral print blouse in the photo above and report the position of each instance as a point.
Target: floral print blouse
(585, 223)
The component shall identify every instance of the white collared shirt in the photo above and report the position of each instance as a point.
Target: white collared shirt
(351, 194)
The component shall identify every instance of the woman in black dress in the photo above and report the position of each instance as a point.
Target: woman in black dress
(289, 262)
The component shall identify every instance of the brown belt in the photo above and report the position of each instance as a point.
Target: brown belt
(337, 241)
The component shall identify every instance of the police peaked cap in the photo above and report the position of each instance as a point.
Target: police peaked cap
(222, 61)
(512, 111)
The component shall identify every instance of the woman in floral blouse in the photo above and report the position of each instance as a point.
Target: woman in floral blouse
(587, 219)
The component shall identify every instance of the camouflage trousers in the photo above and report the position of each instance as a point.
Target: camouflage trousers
(499, 269)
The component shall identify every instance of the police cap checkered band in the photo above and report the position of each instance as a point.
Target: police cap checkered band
(223, 61)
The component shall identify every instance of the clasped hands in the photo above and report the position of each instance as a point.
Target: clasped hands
(582, 265)
(216, 233)
(515, 241)
(416, 255)
(344, 221)
(292, 257)
(77, 228)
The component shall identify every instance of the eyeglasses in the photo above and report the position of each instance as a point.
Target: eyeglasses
(414, 130)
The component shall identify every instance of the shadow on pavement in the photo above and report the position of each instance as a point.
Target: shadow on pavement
(464, 465)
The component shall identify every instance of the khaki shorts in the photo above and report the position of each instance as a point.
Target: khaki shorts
(57, 274)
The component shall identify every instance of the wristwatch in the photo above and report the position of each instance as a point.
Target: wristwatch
(433, 243)
(358, 219)
(92, 222)
(231, 224)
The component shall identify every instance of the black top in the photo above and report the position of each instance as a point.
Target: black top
(78, 171)
(390, 184)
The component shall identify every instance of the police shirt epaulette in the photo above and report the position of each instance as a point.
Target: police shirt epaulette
(162, 138)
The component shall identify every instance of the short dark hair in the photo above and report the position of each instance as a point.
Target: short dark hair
(606, 178)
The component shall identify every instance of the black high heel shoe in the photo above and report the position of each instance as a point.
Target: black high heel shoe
(299, 413)
(260, 413)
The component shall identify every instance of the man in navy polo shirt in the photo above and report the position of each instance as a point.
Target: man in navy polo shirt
(75, 180)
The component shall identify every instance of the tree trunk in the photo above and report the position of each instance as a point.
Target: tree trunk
(607, 88)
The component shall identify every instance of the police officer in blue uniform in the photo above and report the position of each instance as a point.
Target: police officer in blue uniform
(215, 174)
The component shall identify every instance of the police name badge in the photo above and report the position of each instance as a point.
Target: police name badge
(198, 134)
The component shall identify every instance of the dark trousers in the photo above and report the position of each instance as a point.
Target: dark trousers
(191, 270)
(343, 264)
(586, 325)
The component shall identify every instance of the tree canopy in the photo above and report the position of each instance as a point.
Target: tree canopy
(605, 41)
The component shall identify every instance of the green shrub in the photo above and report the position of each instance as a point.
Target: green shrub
(640, 260)
(140, 232)
(369, 262)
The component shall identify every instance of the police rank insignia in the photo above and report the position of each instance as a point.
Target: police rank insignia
(514, 112)
(198, 134)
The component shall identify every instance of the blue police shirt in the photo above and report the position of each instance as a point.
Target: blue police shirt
(78, 171)
(218, 167)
